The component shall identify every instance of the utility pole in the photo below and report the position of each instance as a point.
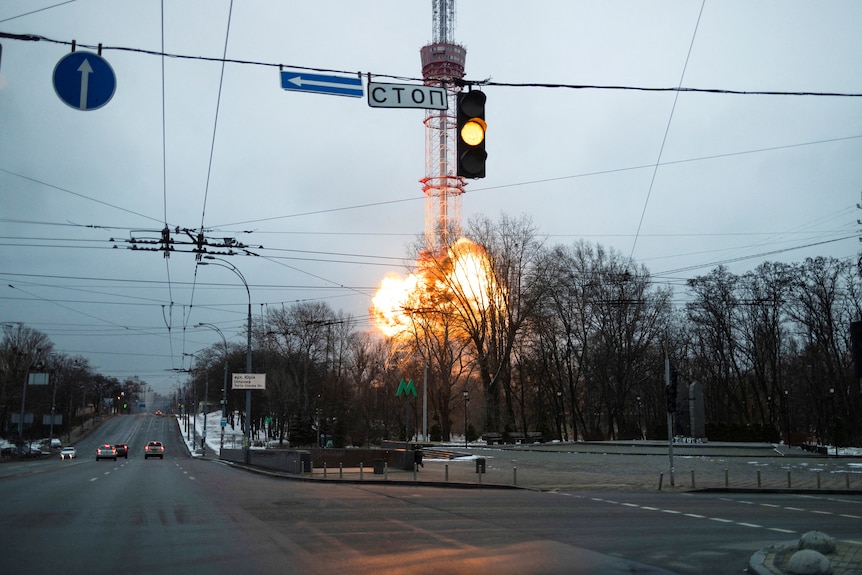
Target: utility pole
(667, 384)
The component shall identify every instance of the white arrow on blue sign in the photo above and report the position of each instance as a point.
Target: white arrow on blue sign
(335, 85)
(84, 81)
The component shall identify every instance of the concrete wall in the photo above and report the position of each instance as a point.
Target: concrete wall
(287, 460)
(298, 461)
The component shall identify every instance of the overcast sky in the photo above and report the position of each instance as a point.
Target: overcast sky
(330, 187)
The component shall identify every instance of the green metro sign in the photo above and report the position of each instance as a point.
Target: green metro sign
(406, 388)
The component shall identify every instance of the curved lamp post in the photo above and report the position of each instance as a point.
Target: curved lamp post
(224, 383)
(226, 264)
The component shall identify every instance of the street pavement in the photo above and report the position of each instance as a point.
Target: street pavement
(638, 466)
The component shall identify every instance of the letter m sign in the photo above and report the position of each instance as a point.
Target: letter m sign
(406, 388)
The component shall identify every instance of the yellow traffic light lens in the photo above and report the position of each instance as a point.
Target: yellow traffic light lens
(473, 132)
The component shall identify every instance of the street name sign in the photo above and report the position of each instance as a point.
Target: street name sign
(320, 84)
(249, 381)
(406, 96)
(37, 379)
(84, 81)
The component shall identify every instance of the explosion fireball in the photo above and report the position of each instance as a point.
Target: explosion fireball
(461, 280)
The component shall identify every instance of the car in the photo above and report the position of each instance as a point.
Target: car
(106, 451)
(68, 452)
(154, 449)
(122, 450)
(55, 443)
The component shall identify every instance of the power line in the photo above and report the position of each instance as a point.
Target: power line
(666, 132)
(487, 82)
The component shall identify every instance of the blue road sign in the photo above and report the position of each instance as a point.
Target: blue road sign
(335, 85)
(84, 81)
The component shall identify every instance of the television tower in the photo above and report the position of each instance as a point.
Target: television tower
(442, 64)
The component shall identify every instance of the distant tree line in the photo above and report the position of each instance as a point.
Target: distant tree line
(569, 341)
(62, 388)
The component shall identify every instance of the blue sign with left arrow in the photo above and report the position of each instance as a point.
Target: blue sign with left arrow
(335, 85)
(84, 81)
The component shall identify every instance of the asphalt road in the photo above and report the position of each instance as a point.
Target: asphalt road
(186, 515)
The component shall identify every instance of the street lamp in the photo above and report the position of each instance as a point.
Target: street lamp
(224, 384)
(834, 423)
(226, 264)
(466, 400)
(30, 365)
(191, 371)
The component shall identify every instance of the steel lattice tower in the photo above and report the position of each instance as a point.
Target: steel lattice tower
(442, 64)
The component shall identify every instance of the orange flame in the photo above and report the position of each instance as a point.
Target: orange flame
(463, 278)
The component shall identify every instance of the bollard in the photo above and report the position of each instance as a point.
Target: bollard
(758, 478)
(692, 479)
(515, 476)
(415, 469)
(660, 480)
(788, 479)
(818, 480)
(385, 471)
(726, 479)
(324, 470)
(340, 470)
(360, 471)
(447, 473)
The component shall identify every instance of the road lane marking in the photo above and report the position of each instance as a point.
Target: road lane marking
(750, 525)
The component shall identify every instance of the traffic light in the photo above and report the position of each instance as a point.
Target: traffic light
(671, 390)
(471, 134)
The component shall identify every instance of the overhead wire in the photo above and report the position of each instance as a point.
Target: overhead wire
(461, 82)
(666, 132)
(167, 318)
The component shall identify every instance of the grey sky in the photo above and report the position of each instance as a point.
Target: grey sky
(738, 175)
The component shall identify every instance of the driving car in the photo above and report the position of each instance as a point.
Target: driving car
(106, 451)
(122, 450)
(68, 452)
(154, 449)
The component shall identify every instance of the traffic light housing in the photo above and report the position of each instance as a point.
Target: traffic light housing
(470, 122)
(671, 390)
